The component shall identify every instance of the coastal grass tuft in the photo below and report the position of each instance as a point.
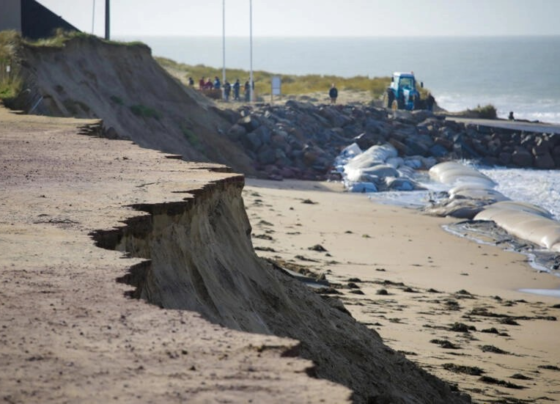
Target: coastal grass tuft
(11, 82)
(291, 84)
(117, 100)
(190, 136)
(144, 111)
(485, 112)
(61, 36)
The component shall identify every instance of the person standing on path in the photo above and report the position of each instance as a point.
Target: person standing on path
(430, 101)
(227, 90)
(236, 88)
(333, 94)
(247, 89)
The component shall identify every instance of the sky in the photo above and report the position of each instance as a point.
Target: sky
(283, 18)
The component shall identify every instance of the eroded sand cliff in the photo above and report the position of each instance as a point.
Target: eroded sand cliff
(70, 333)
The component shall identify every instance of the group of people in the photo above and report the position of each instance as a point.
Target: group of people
(227, 87)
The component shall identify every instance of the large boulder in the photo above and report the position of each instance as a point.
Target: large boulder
(521, 157)
(544, 161)
(263, 133)
(438, 151)
(267, 155)
(504, 158)
(251, 141)
(541, 147)
(249, 122)
(236, 131)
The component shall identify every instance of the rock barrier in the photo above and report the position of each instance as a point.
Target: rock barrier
(302, 140)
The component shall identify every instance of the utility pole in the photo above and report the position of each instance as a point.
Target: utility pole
(223, 47)
(93, 19)
(107, 19)
(251, 89)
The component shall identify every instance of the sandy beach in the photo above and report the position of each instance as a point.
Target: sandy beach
(448, 303)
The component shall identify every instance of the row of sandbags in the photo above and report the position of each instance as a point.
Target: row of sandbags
(379, 168)
(473, 195)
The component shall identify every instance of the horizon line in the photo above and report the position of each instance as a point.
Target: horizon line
(343, 36)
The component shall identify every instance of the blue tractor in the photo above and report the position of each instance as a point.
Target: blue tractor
(402, 93)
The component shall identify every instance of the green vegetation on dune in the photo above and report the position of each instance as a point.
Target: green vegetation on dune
(486, 112)
(61, 37)
(291, 84)
(10, 81)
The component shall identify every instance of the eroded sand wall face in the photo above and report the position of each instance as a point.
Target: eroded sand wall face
(200, 257)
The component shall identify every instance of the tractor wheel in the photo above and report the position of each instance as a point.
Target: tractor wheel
(395, 105)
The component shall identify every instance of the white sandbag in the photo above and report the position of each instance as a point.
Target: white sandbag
(395, 162)
(479, 193)
(522, 206)
(400, 184)
(361, 187)
(375, 155)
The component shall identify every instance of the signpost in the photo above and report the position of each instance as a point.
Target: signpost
(275, 87)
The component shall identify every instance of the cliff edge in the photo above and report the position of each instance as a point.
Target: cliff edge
(67, 331)
(182, 240)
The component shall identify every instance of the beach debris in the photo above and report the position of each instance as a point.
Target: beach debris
(354, 280)
(327, 291)
(264, 223)
(451, 304)
(460, 327)
(303, 258)
(382, 292)
(549, 367)
(519, 376)
(265, 249)
(463, 294)
(356, 292)
(318, 248)
(467, 370)
(263, 236)
(408, 353)
(445, 344)
(508, 321)
(309, 202)
(502, 383)
(494, 330)
(493, 349)
(352, 285)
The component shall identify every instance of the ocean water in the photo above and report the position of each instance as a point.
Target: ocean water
(539, 187)
(519, 74)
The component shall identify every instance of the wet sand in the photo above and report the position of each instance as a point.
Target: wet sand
(450, 304)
